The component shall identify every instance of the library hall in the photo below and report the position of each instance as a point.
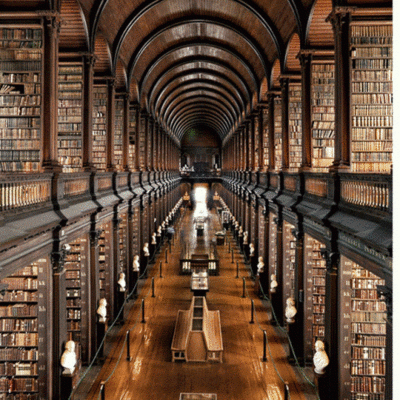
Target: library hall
(196, 200)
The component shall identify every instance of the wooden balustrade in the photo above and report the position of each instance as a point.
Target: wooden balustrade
(316, 186)
(29, 190)
(366, 191)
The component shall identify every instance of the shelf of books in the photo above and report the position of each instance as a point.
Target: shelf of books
(23, 339)
(142, 143)
(295, 115)
(100, 96)
(20, 98)
(371, 98)
(272, 244)
(105, 260)
(314, 302)
(289, 261)
(362, 334)
(322, 115)
(123, 243)
(76, 268)
(278, 132)
(132, 138)
(265, 132)
(256, 142)
(70, 95)
(118, 132)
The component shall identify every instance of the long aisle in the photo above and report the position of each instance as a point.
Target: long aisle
(152, 375)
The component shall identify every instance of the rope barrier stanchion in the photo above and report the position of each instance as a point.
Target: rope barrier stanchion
(252, 312)
(161, 269)
(152, 287)
(286, 389)
(143, 318)
(103, 390)
(229, 250)
(237, 269)
(128, 346)
(232, 255)
(244, 288)
(264, 359)
(166, 256)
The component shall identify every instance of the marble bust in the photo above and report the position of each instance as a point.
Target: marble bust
(321, 360)
(68, 358)
(102, 310)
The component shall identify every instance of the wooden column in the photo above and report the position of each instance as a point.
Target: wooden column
(116, 255)
(340, 19)
(51, 30)
(285, 122)
(277, 299)
(94, 290)
(296, 329)
(271, 130)
(87, 116)
(110, 124)
(306, 140)
(332, 327)
(59, 320)
(125, 134)
(135, 109)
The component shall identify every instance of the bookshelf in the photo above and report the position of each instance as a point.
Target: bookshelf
(278, 132)
(100, 96)
(23, 328)
(295, 126)
(272, 245)
(314, 302)
(123, 243)
(70, 92)
(20, 98)
(322, 115)
(289, 261)
(105, 257)
(371, 98)
(265, 133)
(363, 334)
(256, 143)
(136, 231)
(132, 138)
(142, 143)
(118, 133)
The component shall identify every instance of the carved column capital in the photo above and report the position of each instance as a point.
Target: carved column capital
(387, 294)
(331, 258)
(59, 257)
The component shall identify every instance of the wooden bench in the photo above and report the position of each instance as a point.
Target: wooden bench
(197, 335)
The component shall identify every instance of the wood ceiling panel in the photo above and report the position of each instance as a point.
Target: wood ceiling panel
(189, 33)
(73, 32)
(120, 76)
(292, 62)
(320, 32)
(210, 55)
(102, 65)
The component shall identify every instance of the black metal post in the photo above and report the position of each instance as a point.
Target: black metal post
(169, 245)
(143, 319)
(166, 256)
(161, 269)
(237, 269)
(265, 346)
(232, 256)
(286, 389)
(152, 287)
(128, 346)
(229, 247)
(244, 288)
(252, 312)
(103, 390)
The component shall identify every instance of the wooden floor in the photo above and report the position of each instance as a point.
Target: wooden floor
(152, 375)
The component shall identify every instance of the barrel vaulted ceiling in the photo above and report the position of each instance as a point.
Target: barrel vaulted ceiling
(193, 63)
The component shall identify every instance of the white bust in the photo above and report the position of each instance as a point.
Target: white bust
(321, 360)
(163, 225)
(159, 230)
(153, 238)
(68, 358)
(273, 284)
(122, 282)
(290, 310)
(136, 264)
(146, 250)
(240, 231)
(102, 310)
(260, 265)
(251, 249)
(245, 238)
